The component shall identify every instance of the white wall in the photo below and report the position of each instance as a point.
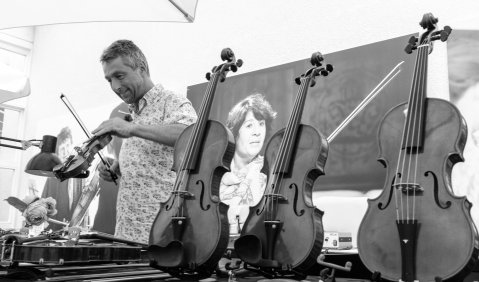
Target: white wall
(262, 33)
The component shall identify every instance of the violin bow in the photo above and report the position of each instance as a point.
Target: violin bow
(88, 134)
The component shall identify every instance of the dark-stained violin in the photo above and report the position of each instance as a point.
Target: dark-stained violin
(191, 231)
(76, 166)
(283, 234)
(417, 229)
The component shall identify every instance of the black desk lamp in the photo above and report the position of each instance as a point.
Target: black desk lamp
(42, 163)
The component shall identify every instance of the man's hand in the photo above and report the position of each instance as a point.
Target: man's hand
(115, 126)
(105, 174)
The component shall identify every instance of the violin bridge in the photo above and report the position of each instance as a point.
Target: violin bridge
(409, 187)
(184, 194)
(276, 197)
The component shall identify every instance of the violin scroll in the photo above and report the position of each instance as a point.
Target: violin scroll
(231, 64)
(318, 69)
(428, 22)
(316, 59)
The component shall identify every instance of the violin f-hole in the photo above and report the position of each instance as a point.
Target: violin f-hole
(295, 203)
(380, 205)
(436, 191)
(202, 196)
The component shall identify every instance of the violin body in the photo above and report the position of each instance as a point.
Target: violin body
(76, 166)
(283, 234)
(198, 243)
(58, 250)
(446, 239)
(299, 241)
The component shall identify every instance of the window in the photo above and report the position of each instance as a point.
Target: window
(10, 118)
(15, 51)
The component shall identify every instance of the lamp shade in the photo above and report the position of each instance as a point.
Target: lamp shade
(43, 163)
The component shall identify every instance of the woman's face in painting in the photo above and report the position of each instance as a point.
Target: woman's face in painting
(250, 137)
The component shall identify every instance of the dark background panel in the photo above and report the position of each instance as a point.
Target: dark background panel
(352, 162)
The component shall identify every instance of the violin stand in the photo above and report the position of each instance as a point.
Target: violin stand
(325, 277)
(281, 272)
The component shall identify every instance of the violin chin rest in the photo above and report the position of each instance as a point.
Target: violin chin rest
(169, 256)
(249, 249)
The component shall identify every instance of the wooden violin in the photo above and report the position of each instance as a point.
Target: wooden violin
(417, 229)
(283, 233)
(76, 166)
(191, 231)
(56, 249)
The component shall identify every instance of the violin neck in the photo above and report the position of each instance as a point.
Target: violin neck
(413, 136)
(285, 153)
(199, 129)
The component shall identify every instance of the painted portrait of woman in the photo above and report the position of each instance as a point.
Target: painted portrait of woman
(250, 122)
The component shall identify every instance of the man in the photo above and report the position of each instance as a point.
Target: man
(146, 155)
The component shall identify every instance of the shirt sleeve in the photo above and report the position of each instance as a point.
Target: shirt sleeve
(178, 109)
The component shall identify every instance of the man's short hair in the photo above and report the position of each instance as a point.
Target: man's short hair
(127, 50)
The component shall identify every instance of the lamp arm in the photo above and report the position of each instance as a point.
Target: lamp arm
(25, 144)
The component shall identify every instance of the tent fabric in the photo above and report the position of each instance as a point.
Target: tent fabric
(21, 13)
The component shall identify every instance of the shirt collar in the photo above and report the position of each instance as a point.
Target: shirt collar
(148, 98)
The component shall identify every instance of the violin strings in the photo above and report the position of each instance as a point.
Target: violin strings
(425, 51)
(414, 111)
(411, 129)
(180, 180)
(279, 164)
(400, 173)
(415, 133)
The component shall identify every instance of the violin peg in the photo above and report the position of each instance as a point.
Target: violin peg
(409, 48)
(324, 72)
(239, 63)
(208, 76)
(412, 40)
(297, 80)
(234, 68)
(329, 67)
(445, 33)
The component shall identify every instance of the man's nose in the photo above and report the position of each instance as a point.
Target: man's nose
(116, 86)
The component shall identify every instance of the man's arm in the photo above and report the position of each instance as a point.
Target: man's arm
(163, 134)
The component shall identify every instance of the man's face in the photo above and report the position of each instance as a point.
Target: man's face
(126, 82)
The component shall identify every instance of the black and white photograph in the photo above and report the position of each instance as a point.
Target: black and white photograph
(208, 140)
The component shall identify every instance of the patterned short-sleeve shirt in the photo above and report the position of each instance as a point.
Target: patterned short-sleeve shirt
(147, 178)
